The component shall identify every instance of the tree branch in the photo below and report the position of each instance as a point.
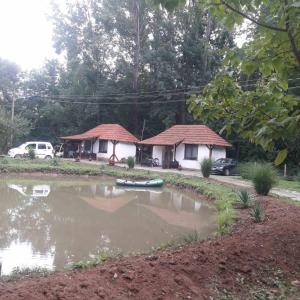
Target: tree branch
(252, 19)
(290, 35)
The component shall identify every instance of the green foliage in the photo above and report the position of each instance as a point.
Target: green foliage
(264, 178)
(246, 170)
(31, 153)
(257, 212)
(254, 95)
(130, 162)
(244, 198)
(225, 220)
(206, 166)
(4, 161)
(94, 260)
(55, 162)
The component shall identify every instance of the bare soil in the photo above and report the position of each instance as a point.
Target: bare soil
(251, 262)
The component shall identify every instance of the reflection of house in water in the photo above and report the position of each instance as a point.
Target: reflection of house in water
(107, 198)
(42, 190)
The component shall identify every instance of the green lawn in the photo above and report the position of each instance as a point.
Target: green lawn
(290, 185)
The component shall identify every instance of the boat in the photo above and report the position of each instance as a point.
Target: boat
(145, 183)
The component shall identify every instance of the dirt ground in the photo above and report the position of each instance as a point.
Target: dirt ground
(256, 261)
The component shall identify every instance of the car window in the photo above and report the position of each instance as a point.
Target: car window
(41, 146)
(49, 147)
(32, 146)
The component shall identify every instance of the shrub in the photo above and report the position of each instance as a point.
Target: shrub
(244, 198)
(4, 161)
(264, 178)
(130, 162)
(206, 166)
(298, 176)
(31, 153)
(257, 212)
(55, 162)
(246, 170)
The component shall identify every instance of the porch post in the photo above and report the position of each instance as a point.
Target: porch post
(113, 157)
(210, 147)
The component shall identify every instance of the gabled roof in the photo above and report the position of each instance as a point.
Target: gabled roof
(187, 134)
(105, 132)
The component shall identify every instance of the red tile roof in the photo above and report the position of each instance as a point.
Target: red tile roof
(187, 134)
(105, 132)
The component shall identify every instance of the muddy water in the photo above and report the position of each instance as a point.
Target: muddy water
(51, 223)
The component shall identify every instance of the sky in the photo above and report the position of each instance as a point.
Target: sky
(25, 32)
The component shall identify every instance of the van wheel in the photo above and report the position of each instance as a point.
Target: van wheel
(226, 172)
(18, 156)
(48, 157)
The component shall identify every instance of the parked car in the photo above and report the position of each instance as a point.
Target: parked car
(224, 166)
(41, 149)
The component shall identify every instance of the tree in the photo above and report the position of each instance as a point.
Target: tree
(254, 95)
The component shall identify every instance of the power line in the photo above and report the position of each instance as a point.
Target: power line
(164, 92)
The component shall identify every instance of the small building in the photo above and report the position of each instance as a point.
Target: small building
(188, 145)
(110, 142)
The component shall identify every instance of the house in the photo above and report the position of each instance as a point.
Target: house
(188, 145)
(105, 142)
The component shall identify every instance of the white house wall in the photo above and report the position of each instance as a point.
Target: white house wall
(123, 150)
(157, 152)
(203, 152)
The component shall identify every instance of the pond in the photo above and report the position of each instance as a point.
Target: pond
(53, 222)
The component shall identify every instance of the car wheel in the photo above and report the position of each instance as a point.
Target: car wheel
(226, 172)
(48, 157)
(18, 156)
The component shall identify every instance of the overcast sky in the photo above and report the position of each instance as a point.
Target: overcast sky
(25, 33)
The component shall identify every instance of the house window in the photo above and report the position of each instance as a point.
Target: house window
(191, 152)
(103, 146)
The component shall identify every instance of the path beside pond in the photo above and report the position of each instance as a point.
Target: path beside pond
(232, 180)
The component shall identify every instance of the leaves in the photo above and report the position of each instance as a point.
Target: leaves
(281, 156)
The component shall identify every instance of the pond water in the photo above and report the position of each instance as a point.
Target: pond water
(52, 222)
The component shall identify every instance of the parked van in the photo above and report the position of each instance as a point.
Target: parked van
(41, 149)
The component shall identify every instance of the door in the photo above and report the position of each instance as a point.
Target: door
(41, 151)
(167, 157)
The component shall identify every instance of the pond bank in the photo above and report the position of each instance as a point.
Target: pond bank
(256, 261)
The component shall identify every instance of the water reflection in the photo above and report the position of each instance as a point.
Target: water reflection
(51, 223)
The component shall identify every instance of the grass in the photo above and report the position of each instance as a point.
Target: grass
(289, 184)
(94, 260)
(224, 196)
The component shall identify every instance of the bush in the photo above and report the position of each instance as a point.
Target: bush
(206, 166)
(298, 176)
(31, 153)
(257, 212)
(246, 170)
(244, 198)
(130, 162)
(264, 178)
(55, 162)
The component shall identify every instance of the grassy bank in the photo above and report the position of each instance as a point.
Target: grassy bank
(223, 196)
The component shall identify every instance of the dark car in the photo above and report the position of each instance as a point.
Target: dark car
(224, 166)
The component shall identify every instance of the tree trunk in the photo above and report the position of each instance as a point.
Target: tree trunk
(136, 65)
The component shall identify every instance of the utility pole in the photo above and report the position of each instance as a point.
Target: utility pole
(12, 120)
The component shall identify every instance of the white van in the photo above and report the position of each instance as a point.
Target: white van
(41, 149)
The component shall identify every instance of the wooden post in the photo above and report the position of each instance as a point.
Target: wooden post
(113, 158)
(210, 147)
(284, 171)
